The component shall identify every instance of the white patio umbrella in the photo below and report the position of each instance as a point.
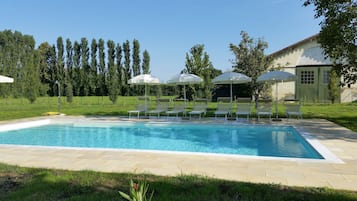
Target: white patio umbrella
(144, 79)
(185, 79)
(231, 78)
(4, 79)
(276, 77)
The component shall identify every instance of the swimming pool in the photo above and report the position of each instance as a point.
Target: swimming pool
(251, 140)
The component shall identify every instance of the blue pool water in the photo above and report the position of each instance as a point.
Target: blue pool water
(277, 141)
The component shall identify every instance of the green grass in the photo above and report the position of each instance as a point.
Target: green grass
(22, 184)
(342, 114)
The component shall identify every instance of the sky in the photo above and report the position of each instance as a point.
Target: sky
(167, 29)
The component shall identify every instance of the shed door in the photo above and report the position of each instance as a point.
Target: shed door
(312, 84)
(307, 84)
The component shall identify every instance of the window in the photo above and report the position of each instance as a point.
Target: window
(307, 77)
(326, 77)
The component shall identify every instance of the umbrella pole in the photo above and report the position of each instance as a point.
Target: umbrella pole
(276, 101)
(184, 94)
(145, 99)
(231, 93)
(184, 97)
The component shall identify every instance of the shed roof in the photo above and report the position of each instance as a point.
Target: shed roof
(295, 45)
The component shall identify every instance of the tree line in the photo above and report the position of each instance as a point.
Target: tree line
(102, 68)
(79, 68)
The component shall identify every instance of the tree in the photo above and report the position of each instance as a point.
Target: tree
(69, 67)
(31, 71)
(101, 73)
(112, 73)
(67, 63)
(251, 61)
(44, 51)
(198, 63)
(146, 62)
(85, 70)
(136, 58)
(60, 62)
(16, 59)
(76, 79)
(93, 68)
(127, 70)
(118, 51)
(69, 92)
(338, 35)
(333, 86)
(52, 65)
(31, 78)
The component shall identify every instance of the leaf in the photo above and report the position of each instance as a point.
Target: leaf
(126, 196)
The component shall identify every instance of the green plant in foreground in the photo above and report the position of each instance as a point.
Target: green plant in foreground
(138, 192)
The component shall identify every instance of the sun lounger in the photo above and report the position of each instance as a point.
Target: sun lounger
(160, 108)
(139, 109)
(264, 109)
(178, 108)
(223, 109)
(244, 109)
(198, 109)
(293, 109)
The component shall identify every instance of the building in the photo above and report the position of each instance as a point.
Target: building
(307, 61)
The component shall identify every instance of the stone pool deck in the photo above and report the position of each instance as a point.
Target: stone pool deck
(294, 172)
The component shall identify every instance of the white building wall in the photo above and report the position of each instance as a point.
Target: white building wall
(349, 94)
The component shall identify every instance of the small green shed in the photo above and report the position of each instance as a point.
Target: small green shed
(307, 61)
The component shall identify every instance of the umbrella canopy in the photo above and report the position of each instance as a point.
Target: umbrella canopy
(185, 79)
(144, 79)
(4, 79)
(276, 76)
(231, 78)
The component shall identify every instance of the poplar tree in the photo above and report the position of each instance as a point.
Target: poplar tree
(76, 79)
(31, 78)
(127, 70)
(119, 65)
(52, 63)
(60, 63)
(68, 71)
(69, 59)
(146, 62)
(101, 73)
(112, 75)
(30, 70)
(17, 48)
(85, 70)
(44, 50)
(136, 58)
(93, 67)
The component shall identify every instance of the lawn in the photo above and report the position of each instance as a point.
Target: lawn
(17, 183)
(22, 184)
(342, 114)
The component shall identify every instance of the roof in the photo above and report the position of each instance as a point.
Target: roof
(295, 45)
(313, 56)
